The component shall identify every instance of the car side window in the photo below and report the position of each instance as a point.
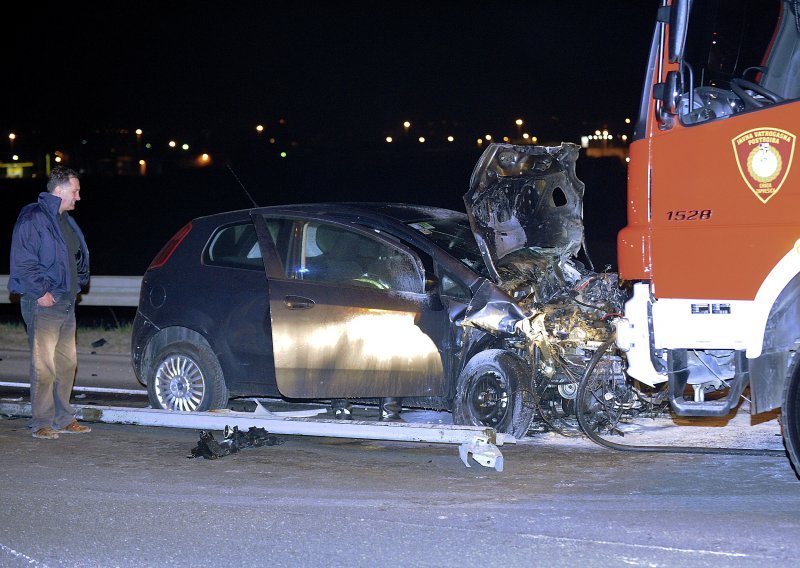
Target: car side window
(334, 254)
(236, 246)
(453, 288)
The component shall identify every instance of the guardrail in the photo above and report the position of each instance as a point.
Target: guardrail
(103, 291)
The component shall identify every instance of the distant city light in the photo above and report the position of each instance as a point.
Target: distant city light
(450, 139)
(627, 121)
(138, 132)
(627, 158)
(624, 137)
(281, 121)
(283, 154)
(15, 157)
(584, 141)
(406, 125)
(172, 143)
(185, 147)
(535, 139)
(597, 133)
(389, 139)
(421, 140)
(505, 138)
(518, 122)
(525, 135)
(204, 157)
(141, 162)
(12, 136)
(148, 145)
(488, 137)
(480, 141)
(58, 159)
(260, 128)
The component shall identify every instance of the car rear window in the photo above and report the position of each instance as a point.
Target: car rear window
(234, 246)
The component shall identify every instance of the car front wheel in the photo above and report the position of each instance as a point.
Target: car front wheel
(494, 390)
(186, 377)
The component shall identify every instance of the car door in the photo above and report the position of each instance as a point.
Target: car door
(241, 330)
(350, 316)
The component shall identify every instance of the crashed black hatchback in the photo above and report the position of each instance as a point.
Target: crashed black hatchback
(485, 314)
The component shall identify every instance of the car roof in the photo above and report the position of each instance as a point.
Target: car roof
(351, 210)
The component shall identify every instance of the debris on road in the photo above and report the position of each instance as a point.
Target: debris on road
(255, 437)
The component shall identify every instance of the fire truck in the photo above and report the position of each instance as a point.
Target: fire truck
(712, 242)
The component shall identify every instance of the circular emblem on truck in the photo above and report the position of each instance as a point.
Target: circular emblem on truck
(764, 163)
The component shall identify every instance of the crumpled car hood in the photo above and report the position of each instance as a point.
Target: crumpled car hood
(524, 200)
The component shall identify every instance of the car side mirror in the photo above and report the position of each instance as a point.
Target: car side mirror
(432, 282)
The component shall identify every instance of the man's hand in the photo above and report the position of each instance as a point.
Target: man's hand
(46, 301)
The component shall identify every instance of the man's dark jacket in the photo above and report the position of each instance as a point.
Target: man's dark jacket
(39, 257)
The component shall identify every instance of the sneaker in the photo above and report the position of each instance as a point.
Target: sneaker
(46, 433)
(75, 428)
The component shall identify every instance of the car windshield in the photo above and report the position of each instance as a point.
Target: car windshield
(455, 237)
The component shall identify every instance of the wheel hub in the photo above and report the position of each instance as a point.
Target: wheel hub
(489, 400)
(179, 386)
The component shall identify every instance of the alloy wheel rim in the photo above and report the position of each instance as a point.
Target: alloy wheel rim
(179, 383)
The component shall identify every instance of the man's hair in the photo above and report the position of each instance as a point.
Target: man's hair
(58, 177)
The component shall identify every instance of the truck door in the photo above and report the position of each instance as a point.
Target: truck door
(350, 317)
(724, 185)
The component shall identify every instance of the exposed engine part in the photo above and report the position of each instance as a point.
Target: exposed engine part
(525, 206)
(233, 441)
(573, 308)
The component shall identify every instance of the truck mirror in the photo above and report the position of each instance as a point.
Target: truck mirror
(668, 95)
(678, 24)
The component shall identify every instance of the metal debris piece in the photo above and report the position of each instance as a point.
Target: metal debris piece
(483, 452)
(522, 198)
(255, 437)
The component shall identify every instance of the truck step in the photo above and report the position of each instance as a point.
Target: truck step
(719, 407)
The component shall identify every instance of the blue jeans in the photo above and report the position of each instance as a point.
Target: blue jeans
(54, 360)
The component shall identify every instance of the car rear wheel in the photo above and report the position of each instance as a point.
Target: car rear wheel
(494, 390)
(186, 377)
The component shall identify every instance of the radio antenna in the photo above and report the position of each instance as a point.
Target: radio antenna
(247, 193)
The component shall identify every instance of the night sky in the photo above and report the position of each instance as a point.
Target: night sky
(349, 72)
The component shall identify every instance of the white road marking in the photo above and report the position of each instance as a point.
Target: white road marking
(25, 557)
(645, 546)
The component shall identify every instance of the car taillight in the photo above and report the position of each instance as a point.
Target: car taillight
(166, 251)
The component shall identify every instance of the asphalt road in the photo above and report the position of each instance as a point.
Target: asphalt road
(127, 495)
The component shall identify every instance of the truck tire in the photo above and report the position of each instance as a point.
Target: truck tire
(790, 415)
(494, 390)
(186, 377)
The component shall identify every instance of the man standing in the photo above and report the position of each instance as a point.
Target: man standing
(49, 265)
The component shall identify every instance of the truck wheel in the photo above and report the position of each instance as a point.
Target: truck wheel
(186, 377)
(790, 416)
(494, 390)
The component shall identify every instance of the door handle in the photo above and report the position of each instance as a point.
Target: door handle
(298, 302)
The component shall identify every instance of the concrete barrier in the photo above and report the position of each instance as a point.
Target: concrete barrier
(103, 291)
